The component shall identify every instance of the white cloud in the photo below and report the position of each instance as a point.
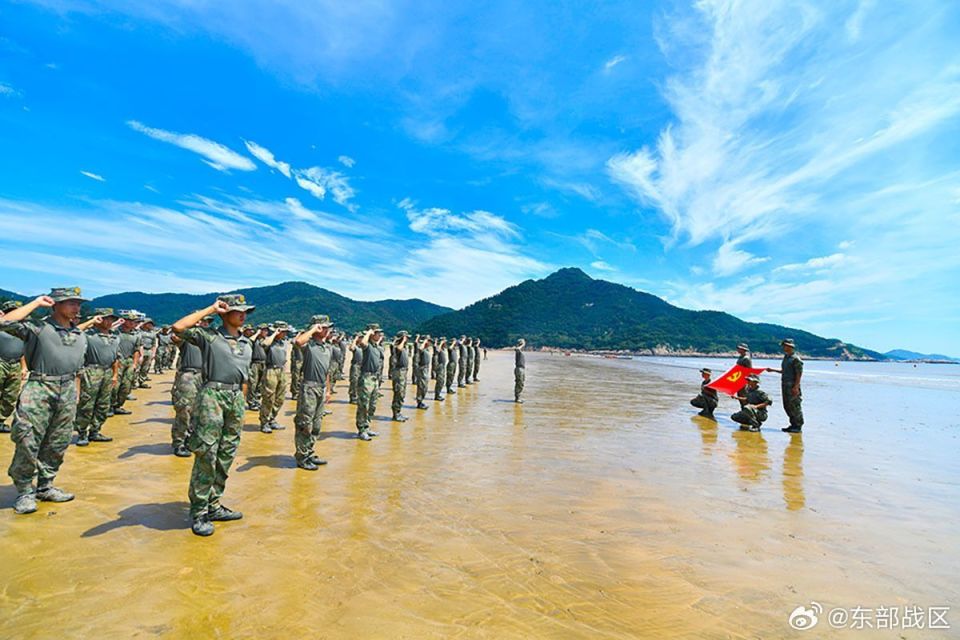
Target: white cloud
(814, 264)
(346, 161)
(600, 265)
(8, 91)
(319, 181)
(94, 176)
(214, 154)
(729, 260)
(149, 187)
(266, 157)
(612, 62)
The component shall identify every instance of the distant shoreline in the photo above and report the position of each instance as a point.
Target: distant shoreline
(667, 353)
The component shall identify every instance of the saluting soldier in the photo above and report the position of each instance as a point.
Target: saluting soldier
(422, 369)
(399, 362)
(54, 350)
(98, 376)
(469, 374)
(336, 360)
(148, 344)
(462, 362)
(753, 405)
(453, 352)
(519, 370)
(791, 371)
(476, 359)
(186, 386)
(371, 370)
(296, 363)
(130, 343)
(13, 368)
(317, 359)
(164, 345)
(258, 367)
(274, 378)
(441, 351)
(708, 398)
(356, 360)
(744, 359)
(217, 420)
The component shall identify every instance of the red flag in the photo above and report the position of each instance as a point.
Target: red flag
(733, 380)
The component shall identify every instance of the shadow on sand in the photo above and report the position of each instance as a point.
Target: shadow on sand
(275, 461)
(166, 516)
(154, 449)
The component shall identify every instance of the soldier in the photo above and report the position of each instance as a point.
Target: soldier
(753, 405)
(371, 368)
(13, 368)
(422, 370)
(274, 378)
(399, 362)
(344, 349)
(186, 386)
(164, 346)
(708, 398)
(470, 355)
(336, 361)
(148, 344)
(256, 367)
(54, 350)
(519, 371)
(217, 420)
(129, 361)
(791, 370)
(476, 359)
(98, 376)
(744, 359)
(356, 360)
(317, 359)
(296, 363)
(452, 354)
(441, 372)
(462, 362)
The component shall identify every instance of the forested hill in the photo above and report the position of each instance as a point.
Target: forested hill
(569, 309)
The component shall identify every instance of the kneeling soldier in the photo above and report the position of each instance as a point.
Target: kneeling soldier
(753, 405)
(708, 399)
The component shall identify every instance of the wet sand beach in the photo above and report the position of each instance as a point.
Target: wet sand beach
(601, 508)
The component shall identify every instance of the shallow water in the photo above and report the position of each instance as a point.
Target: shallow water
(601, 508)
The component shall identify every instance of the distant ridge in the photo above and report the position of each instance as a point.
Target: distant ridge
(569, 309)
(903, 354)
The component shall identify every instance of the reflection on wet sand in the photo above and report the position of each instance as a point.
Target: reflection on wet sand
(592, 511)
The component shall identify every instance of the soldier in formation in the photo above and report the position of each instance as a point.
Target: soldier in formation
(13, 368)
(317, 359)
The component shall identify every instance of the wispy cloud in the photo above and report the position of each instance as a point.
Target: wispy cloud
(319, 181)
(612, 62)
(93, 176)
(214, 154)
(265, 156)
(346, 161)
(8, 91)
(600, 265)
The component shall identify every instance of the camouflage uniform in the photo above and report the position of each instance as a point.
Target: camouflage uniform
(129, 345)
(356, 359)
(296, 368)
(462, 364)
(336, 365)
(476, 359)
(274, 385)
(257, 368)
(148, 341)
(747, 415)
(708, 398)
(441, 373)
(468, 375)
(48, 401)
(422, 376)
(317, 363)
(368, 387)
(217, 417)
(11, 351)
(451, 366)
(186, 386)
(96, 381)
(792, 368)
(398, 378)
(519, 373)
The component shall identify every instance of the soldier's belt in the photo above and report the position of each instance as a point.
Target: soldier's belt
(98, 366)
(223, 386)
(189, 370)
(270, 366)
(14, 361)
(314, 383)
(43, 377)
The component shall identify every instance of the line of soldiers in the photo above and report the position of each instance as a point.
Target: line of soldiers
(753, 400)
(220, 373)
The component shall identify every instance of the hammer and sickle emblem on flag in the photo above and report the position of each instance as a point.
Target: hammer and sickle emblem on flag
(733, 377)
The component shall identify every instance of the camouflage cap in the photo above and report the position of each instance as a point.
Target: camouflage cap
(247, 327)
(320, 319)
(147, 321)
(104, 312)
(280, 325)
(788, 342)
(403, 333)
(706, 370)
(62, 294)
(743, 345)
(10, 305)
(130, 315)
(373, 326)
(207, 319)
(263, 326)
(753, 378)
(236, 302)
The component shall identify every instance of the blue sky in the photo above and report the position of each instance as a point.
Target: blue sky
(788, 162)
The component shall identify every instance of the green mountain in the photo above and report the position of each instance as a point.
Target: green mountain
(294, 302)
(10, 295)
(904, 354)
(569, 309)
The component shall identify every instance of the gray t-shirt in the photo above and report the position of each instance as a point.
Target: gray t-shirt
(792, 367)
(442, 357)
(259, 353)
(521, 359)
(745, 361)
(102, 348)
(317, 357)
(400, 359)
(424, 362)
(49, 348)
(356, 357)
(11, 347)
(130, 341)
(372, 363)
(336, 353)
(165, 339)
(148, 339)
(225, 359)
(190, 357)
(277, 354)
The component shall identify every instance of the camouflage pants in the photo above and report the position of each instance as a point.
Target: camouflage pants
(792, 405)
(296, 367)
(441, 380)
(367, 394)
(159, 359)
(274, 392)
(9, 387)
(462, 371)
(186, 387)
(216, 425)
(519, 377)
(255, 383)
(41, 432)
(336, 374)
(96, 394)
(749, 416)
(468, 375)
(476, 367)
(124, 383)
(451, 374)
(398, 379)
(144, 369)
(704, 402)
(423, 382)
(354, 383)
(309, 418)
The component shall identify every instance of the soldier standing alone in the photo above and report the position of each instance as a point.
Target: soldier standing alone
(791, 371)
(519, 371)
